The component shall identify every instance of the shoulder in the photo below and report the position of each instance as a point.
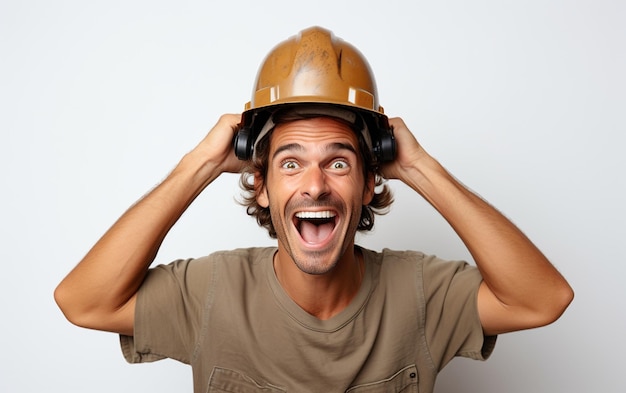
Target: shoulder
(199, 269)
(429, 263)
(430, 269)
(238, 266)
(251, 254)
(387, 253)
(241, 258)
(243, 255)
(395, 259)
(398, 269)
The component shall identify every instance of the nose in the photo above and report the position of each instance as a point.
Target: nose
(314, 183)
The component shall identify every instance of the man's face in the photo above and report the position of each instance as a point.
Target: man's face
(315, 189)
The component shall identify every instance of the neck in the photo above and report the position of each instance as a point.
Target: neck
(321, 295)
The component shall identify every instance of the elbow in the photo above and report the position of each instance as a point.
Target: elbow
(556, 305)
(81, 312)
(70, 306)
(541, 306)
(565, 299)
(63, 301)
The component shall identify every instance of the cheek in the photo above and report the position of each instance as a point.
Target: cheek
(352, 187)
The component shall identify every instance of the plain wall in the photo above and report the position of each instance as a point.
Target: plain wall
(523, 101)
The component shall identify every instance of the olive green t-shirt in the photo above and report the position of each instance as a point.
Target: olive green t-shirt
(228, 317)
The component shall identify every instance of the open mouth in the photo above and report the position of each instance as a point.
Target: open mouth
(315, 226)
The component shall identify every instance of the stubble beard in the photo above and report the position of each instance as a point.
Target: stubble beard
(314, 262)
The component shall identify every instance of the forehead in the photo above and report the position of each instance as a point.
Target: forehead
(319, 130)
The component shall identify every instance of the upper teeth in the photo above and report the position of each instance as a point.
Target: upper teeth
(324, 214)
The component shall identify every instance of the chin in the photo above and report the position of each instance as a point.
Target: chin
(318, 262)
(314, 266)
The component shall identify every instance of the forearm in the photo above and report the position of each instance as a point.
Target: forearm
(110, 274)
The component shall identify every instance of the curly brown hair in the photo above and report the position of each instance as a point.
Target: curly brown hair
(382, 200)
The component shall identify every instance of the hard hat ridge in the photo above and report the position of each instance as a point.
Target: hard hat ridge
(315, 66)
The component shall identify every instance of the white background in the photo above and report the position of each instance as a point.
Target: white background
(524, 101)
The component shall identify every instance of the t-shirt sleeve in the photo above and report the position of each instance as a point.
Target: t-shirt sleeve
(168, 313)
(453, 325)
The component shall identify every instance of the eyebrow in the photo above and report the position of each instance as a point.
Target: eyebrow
(335, 146)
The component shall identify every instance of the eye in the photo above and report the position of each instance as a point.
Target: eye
(339, 165)
(289, 165)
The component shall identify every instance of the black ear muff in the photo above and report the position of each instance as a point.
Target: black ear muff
(249, 128)
(385, 146)
(243, 143)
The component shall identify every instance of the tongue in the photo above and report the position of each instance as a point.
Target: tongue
(312, 233)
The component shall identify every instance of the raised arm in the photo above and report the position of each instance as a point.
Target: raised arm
(521, 289)
(100, 292)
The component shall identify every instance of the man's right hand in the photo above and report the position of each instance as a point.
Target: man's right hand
(217, 146)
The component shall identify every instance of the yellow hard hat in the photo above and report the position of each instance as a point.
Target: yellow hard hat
(315, 67)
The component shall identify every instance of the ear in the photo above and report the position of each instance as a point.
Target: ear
(261, 190)
(368, 190)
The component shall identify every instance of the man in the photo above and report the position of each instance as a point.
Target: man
(317, 313)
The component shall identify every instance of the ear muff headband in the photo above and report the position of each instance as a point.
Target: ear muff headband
(381, 141)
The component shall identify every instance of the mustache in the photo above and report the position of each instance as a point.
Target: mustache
(324, 202)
